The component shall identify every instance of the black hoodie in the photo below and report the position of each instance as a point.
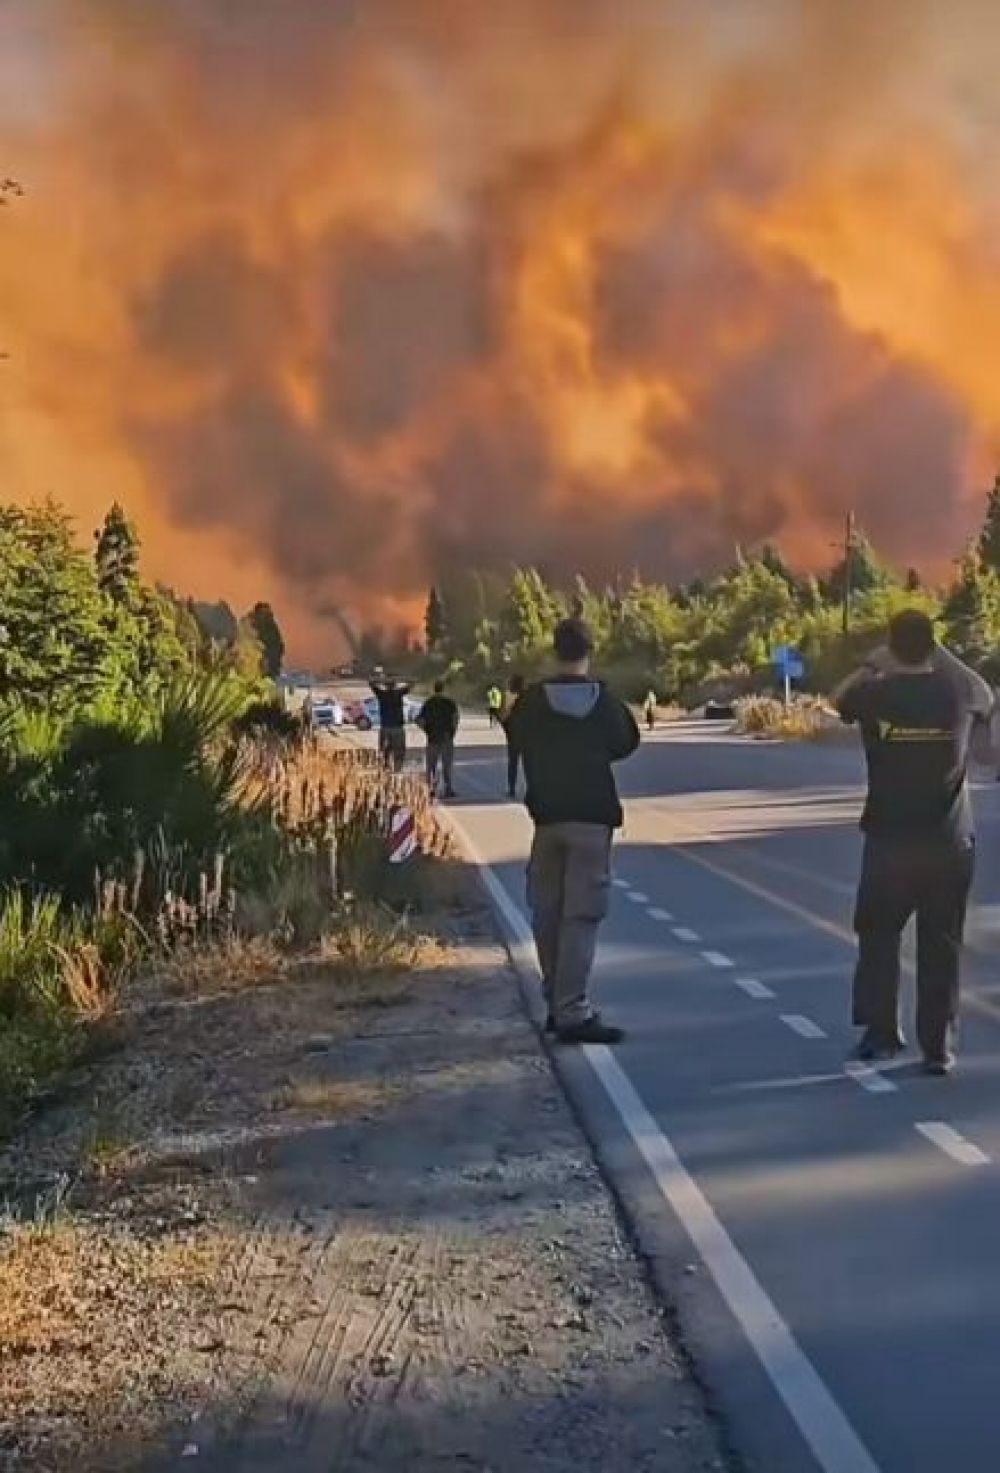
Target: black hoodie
(568, 732)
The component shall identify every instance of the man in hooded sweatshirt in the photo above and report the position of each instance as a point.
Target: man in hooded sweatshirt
(569, 730)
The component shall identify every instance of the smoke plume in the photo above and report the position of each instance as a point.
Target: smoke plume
(339, 296)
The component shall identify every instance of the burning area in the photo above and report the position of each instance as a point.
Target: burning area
(336, 295)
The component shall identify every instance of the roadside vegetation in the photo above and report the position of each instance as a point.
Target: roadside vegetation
(715, 635)
(158, 808)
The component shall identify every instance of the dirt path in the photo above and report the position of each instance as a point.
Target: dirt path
(313, 1225)
(461, 1296)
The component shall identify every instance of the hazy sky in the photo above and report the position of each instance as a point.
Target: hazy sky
(334, 295)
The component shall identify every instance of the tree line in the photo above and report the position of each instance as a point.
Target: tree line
(719, 631)
(82, 630)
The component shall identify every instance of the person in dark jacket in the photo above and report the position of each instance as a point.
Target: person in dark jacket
(515, 690)
(568, 732)
(391, 697)
(918, 707)
(439, 720)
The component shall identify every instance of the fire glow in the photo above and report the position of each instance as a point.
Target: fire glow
(334, 295)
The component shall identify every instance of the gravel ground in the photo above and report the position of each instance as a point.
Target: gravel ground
(320, 1226)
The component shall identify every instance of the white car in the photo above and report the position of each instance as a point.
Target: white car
(326, 714)
(364, 713)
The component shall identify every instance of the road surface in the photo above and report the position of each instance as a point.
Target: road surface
(830, 1239)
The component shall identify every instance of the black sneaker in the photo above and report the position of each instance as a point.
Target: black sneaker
(939, 1065)
(591, 1031)
(875, 1049)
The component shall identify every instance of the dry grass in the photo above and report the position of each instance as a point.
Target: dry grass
(335, 1099)
(373, 940)
(75, 1297)
(764, 716)
(227, 966)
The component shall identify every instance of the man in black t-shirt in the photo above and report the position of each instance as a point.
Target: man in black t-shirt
(917, 707)
(438, 720)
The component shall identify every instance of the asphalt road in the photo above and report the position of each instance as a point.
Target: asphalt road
(830, 1238)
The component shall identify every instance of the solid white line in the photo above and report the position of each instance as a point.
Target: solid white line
(718, 959)
(869, 1078)
(637, 897)
(683, 934)
(834, 1443)
(952, 1143)
(655, 914)
(804, 1027)
(753, 988)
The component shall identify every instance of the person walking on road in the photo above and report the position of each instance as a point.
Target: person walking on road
(438, 719)
(391, 697)
(494, 704)
(917, 707)
(650, 706)
(515, 691)
(568, 731)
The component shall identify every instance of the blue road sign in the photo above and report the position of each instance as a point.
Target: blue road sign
(788, 662)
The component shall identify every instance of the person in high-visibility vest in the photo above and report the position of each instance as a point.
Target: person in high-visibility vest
(494, 704)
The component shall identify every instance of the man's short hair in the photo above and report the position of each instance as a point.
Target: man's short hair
(439, 687)
(911, 637)
(572, 641)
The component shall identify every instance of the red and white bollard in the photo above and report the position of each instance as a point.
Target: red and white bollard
(402, 836)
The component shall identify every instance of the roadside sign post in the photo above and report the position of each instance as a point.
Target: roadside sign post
(788, 665)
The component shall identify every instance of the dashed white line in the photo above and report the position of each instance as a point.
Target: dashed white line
(753, 988)
(833, 1441)
(683, 934)
(804, 1027)
(869, 1078)
(637, 897)
(655, 914)
(620, 884)
(718, 959)
(952, 1143)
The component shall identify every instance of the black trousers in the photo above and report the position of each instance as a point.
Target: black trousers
(513, 763)
(900, 878)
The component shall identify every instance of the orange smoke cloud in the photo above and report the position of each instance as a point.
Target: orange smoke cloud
(336, 296)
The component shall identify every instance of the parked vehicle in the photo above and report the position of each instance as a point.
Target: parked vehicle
(326, 714)
(364, 713)
(719, 709)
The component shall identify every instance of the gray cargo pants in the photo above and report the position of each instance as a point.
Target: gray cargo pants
(569, 879)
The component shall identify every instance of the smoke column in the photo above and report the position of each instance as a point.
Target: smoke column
(339, 295)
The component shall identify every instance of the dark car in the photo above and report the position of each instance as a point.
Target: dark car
(719, 709)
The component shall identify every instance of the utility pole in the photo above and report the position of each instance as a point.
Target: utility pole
(848, 568)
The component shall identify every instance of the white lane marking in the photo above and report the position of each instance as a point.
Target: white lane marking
(869, 1078)
(952, 1143)
(753, 988)
(834, 1442)
(683, 934)
(655, 914)
(637, 897)
(718, 959)
(804, 1027)
(620, 884)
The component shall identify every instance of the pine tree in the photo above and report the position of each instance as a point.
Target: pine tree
(971, 611)
(58, 650)
(261, 619)
(117, 556)
(435, 621)
(989, 538)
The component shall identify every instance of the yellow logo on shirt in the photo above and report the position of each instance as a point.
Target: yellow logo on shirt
(889, 732)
